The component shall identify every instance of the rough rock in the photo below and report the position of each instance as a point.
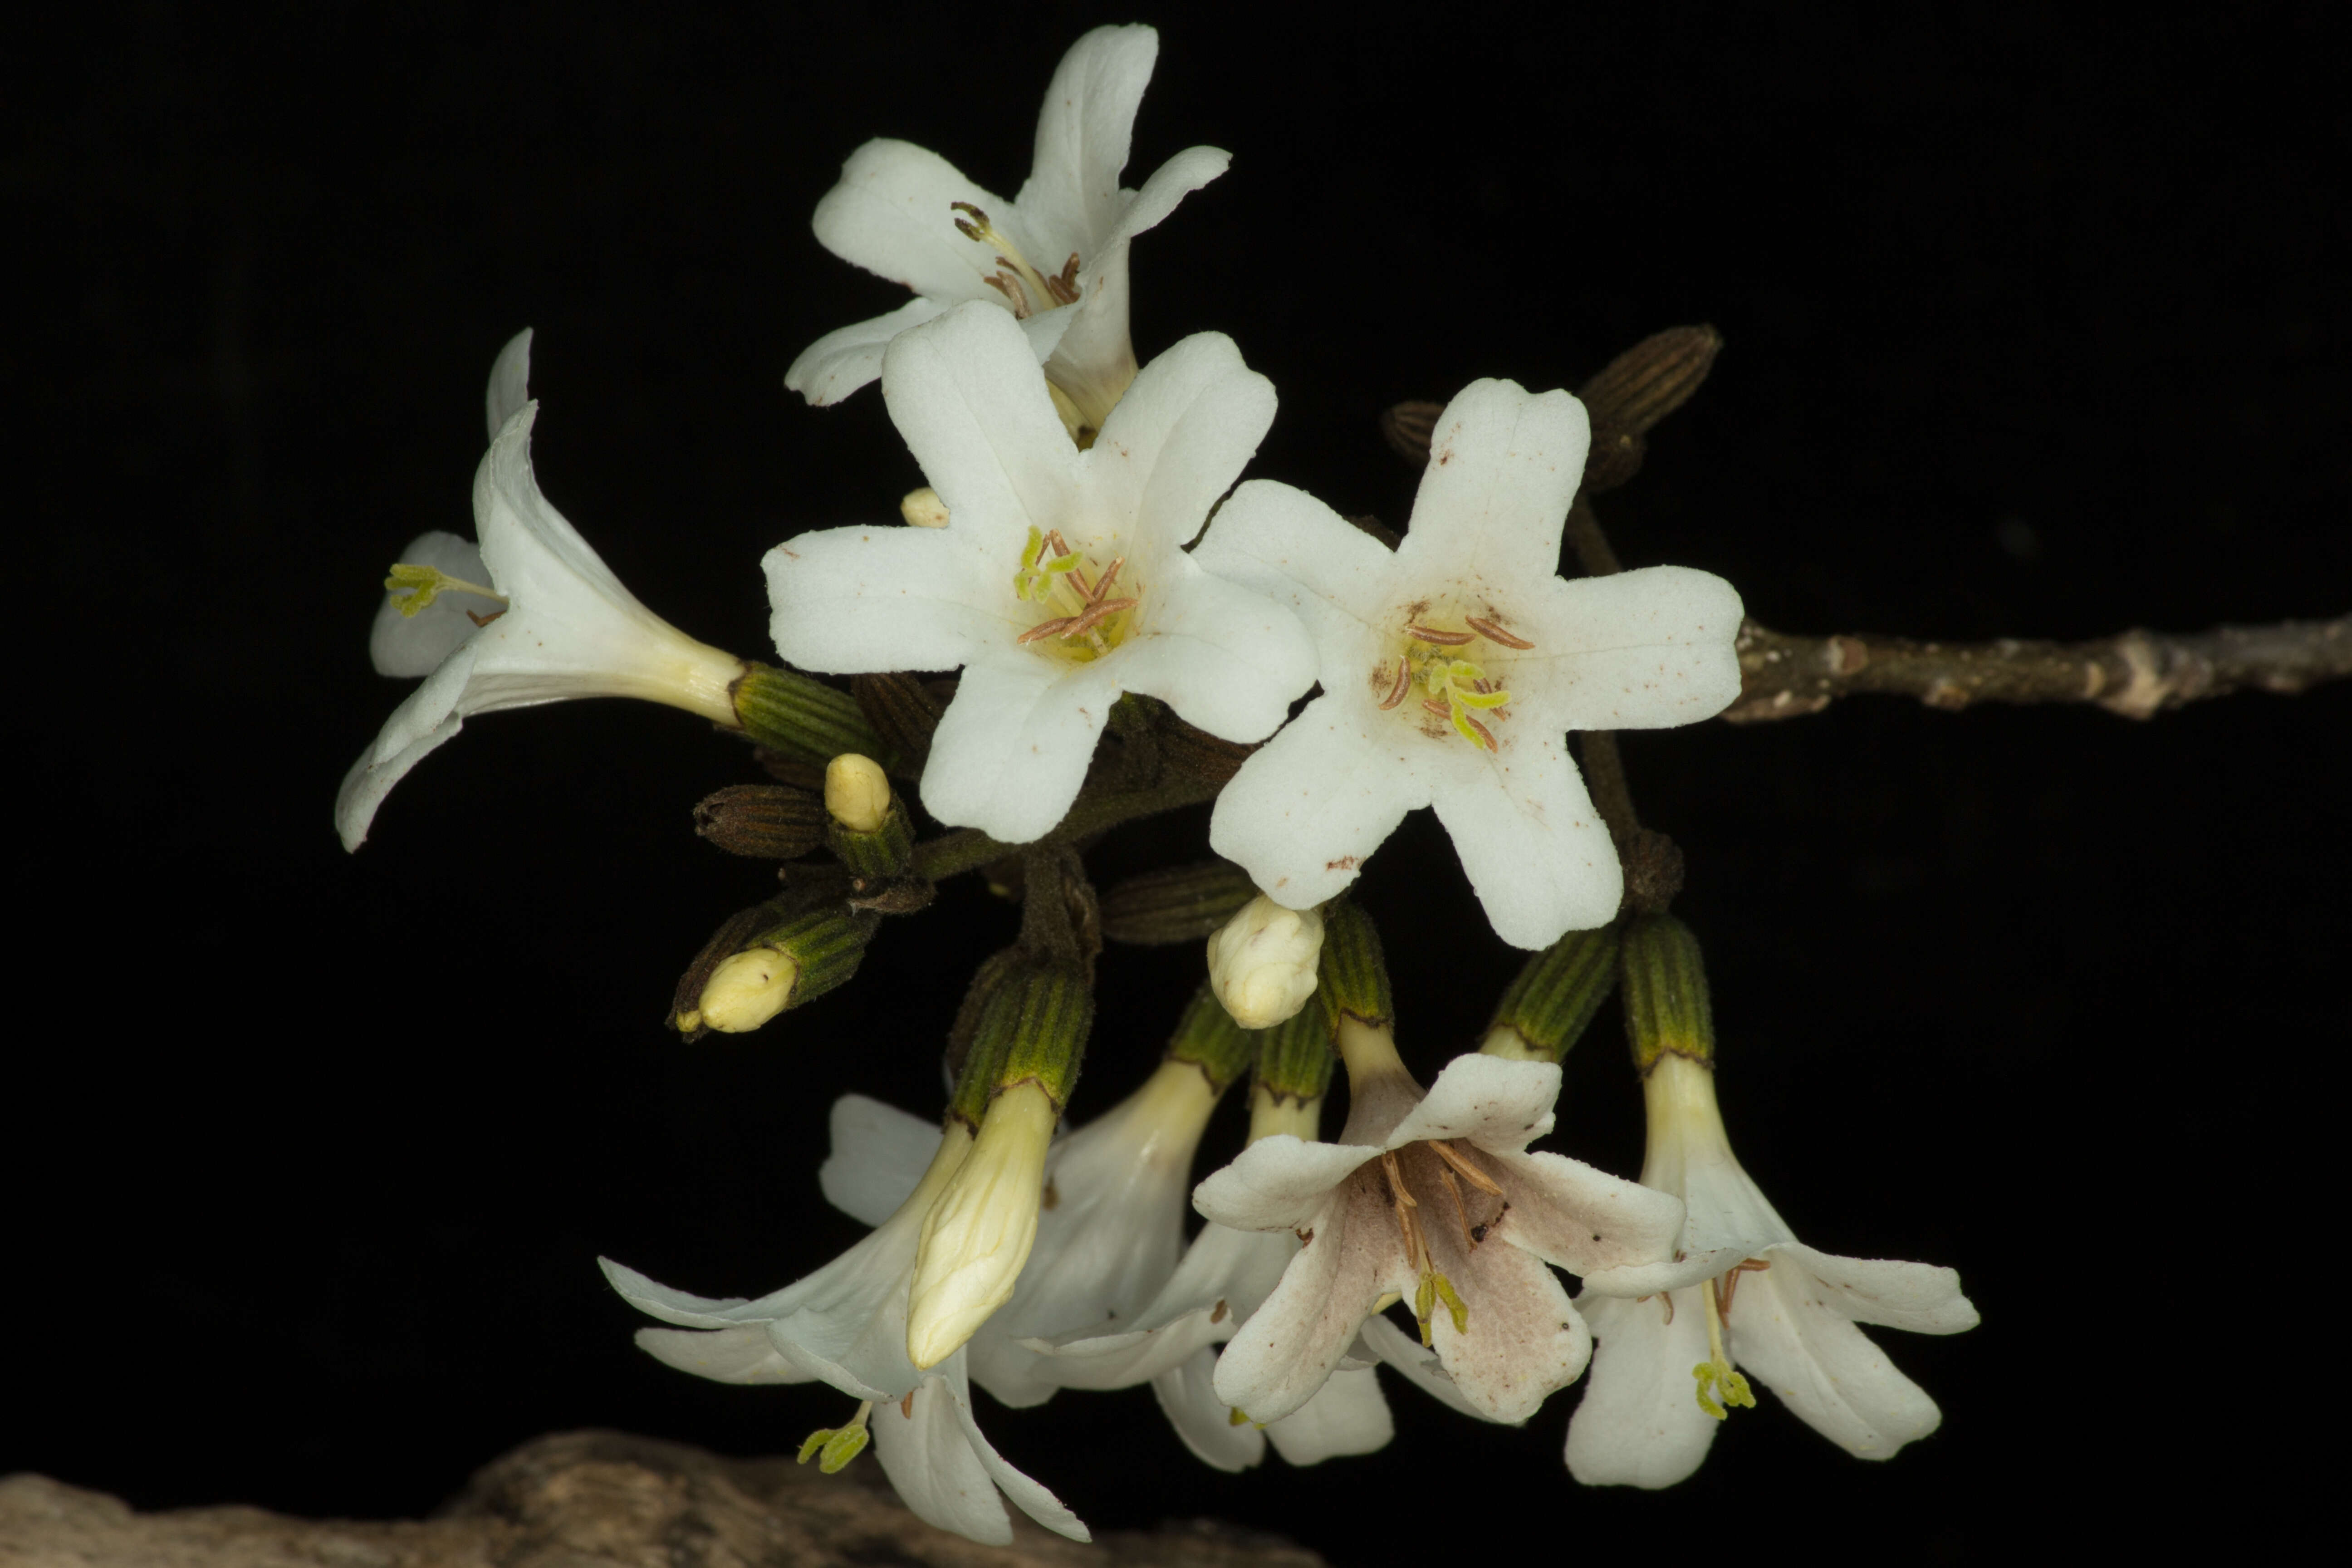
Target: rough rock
(594, 1500)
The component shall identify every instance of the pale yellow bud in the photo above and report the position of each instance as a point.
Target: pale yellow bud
(924, 508)
(1261, 964)
(748, 990)
(978, 1234)
(857, 793)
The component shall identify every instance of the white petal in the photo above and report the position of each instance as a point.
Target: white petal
(854, 600)
(1122, 1360)
(1822, 1367)
(1287, 545)
(1083, 134)
(1417, 1364)
(535, 556)
(1012, 748)
(893, 214)
(670, 1305)
(742, 1353)
(879, 1154)
(510, 386)
(1228, 660)
(930, 1462)
(1522, 1339)
(1535, 849)
(965, 393)
(405, 645)
(1180, 437)
(1310, 807)
(1498, 1105)
(1282, 1354)
(1170, 184)
(1639, 1424)
(847, 358)
(1188, 1397)
(1027, 1495)
(427, 720)
(1639, 650)
(1278, 1183)
(1919, 1297)
(1583, 1220)
(1346, 1416)
(1504, 464)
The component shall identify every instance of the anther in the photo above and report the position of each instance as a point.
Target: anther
(1044, 629)
(1454, 1190)
(484, 620)
(1397, 691)
(1435, 706)
(1494, 633)
(1475, 733)
(1470, 1172)
(1731, 1278)
(1441, 638)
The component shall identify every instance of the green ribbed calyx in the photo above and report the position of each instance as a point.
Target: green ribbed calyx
(802, 719)
(1032, 1029)
(1184, 903)
(1548, 1006)
(879, 855)
(1352, 979)
(1207, 1037)
(828, 944)
(767, 822)
(1295, 1058)
(1666, 1007)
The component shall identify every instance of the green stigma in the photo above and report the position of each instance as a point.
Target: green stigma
(415, 587)
(1035, 580)
(833, 1447)
(1718, 1375)
(1436, 1288)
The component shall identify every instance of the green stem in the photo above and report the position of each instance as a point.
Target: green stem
(967, 847)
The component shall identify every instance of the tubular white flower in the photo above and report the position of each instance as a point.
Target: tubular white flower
(1060, 578)
(847, 1325)
(1054, 257)
(1262, 961)
(566, 628)
(1776, 1307)
(1470, 1249)
(1108, 1234)
(1451, 668)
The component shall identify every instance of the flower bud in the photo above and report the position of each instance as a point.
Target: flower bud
(857, 792)
(1666, 1008)
(923, 508)
(1261, 964)
(767, 822)
(784, 966)
(978, 1233)
(1183, 904)
(799, 718)
(1548, 1006)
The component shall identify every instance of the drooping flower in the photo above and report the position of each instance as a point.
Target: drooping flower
(847, 1325)
(1060, 580)
(531, 615)
(1107, 1234)
(1451, 666)
(1433, 1199)
(1744, 1293)
(1053, 257)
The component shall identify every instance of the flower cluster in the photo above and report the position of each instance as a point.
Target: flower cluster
(1086, 559)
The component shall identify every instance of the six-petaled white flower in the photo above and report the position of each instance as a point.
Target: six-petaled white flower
(1451, 666)
(1433, 1199)
(1053, 257)
(847, 1325)
(550, 622)
(1060, 580)
(1744, 1292)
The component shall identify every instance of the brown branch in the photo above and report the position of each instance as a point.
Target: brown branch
(2137, 674)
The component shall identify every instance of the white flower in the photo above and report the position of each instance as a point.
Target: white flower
(1748, 1293)
(566, 626)
(847, 1325)
(1433, 1199)
(1060, 579)
(1054, 257)
(1451, 666)
(1108, 1231)
(1262, 962)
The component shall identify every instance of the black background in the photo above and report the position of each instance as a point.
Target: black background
(2034, 329)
